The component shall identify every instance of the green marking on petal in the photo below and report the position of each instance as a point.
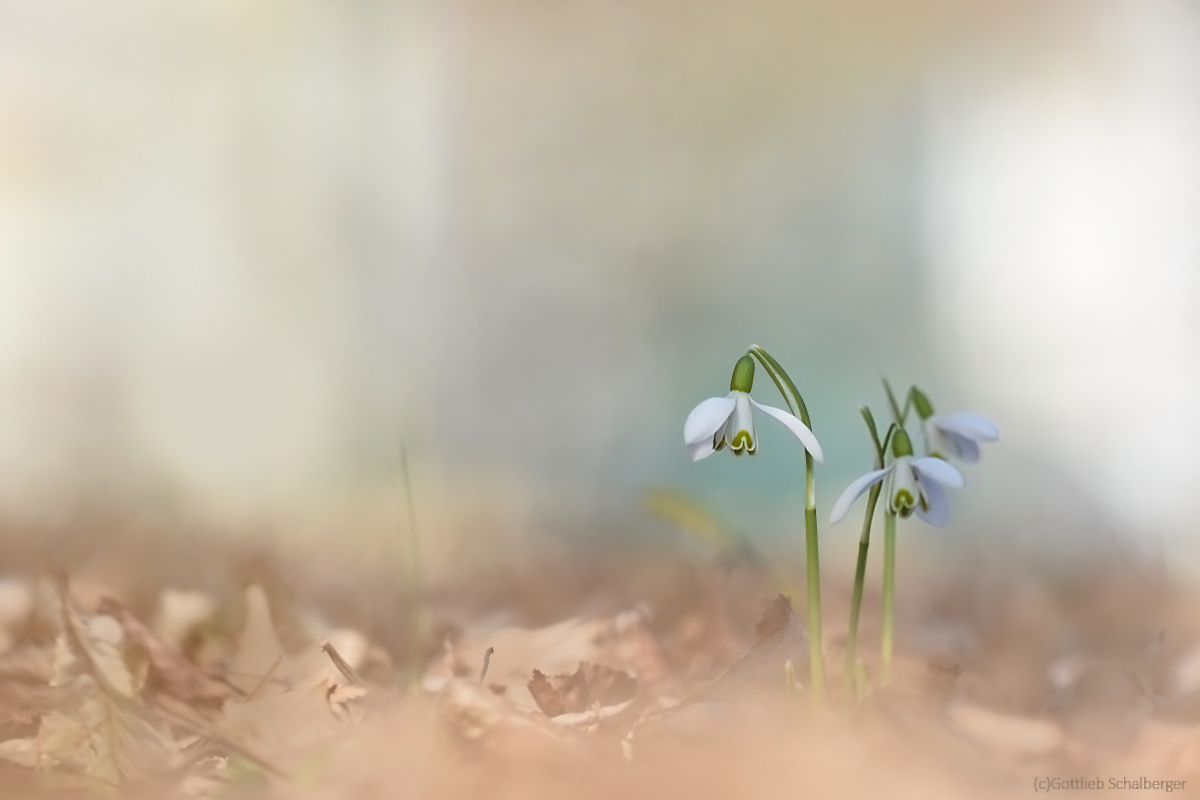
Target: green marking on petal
(742, 441)
(903, 500)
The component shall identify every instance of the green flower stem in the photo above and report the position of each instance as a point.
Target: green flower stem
(860, 574)
(816, 654)
(849, 680)
(889, 594)
(899, 414)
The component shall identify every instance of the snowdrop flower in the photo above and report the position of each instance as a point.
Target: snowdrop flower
(956, 434)
(721, 422)
(913, 485)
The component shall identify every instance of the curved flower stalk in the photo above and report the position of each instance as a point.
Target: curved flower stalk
(721, 422)
(816, 652)
(957, 434)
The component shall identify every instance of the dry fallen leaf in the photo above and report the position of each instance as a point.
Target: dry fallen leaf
(100, 731)
(588, 686)
(284, 724)
(297, 703)
(91, 647)
(179, 613)
(170, 672)
(518, 651)
(781, 639)
(258, 653)
(479, 715)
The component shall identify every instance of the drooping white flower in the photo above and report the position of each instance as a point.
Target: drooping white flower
(957, 434)
(720, 422)
(912, 485)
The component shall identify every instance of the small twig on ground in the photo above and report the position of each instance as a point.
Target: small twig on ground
(343, 667)
(487, 659)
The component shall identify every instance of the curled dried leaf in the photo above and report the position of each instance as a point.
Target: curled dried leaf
(590, 685)
(775, 616)
(170, 671)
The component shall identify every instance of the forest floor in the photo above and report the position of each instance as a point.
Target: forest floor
(622, 676)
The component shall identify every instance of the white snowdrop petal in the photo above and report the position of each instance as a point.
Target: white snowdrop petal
(964, 449)
(854, 491)
(938, 512)
(940, 471)
(793, 424)
(701, 449)
(971, 425)
(707, 418)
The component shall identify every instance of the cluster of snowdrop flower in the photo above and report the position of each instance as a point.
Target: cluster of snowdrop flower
(915, 485)
(911, 485)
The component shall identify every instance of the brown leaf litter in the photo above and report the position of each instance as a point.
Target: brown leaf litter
(589, 686)
(589, 706)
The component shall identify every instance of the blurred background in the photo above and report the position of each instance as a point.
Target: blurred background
(251, 251)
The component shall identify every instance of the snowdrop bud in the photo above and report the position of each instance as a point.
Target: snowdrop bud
(924, 407)
(743, 375)
(901, 444)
